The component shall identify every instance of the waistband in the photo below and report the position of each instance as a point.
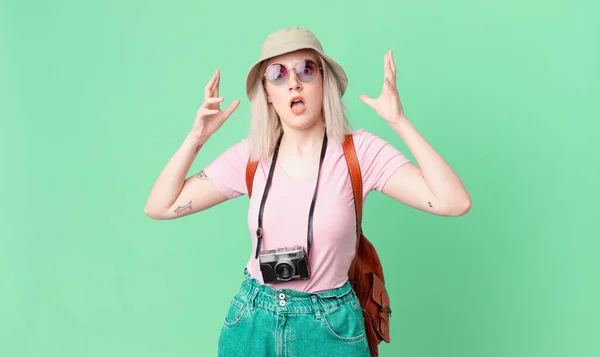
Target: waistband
(288, 301)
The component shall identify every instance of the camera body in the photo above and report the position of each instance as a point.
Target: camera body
(284, 264)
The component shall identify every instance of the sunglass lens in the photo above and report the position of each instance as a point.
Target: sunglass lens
(306, 70)
(277, 74)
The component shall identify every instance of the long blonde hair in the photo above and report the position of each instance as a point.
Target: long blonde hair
(265, 125)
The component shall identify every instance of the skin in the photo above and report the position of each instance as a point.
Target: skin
(279, 96)
(303, 134)
(432, 186)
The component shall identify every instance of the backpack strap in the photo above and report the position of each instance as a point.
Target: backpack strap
(250, 171)
(356, 178)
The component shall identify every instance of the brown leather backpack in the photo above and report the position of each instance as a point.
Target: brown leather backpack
(365, 273)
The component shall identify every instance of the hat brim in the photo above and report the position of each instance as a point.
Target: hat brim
(287, 47)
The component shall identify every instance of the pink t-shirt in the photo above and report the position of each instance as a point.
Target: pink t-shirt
(285, 216)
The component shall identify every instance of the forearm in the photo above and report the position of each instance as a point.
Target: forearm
(441, 178)
(170, 181)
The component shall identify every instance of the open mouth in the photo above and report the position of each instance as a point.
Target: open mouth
(297, 104)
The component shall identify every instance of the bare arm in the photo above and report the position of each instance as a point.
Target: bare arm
(433, 187)
(173, 195)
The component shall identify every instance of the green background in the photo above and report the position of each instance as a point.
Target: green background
(95, 97)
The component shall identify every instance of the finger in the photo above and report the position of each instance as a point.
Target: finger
(213, 100)
(392, 62)
(227, 112)
(389, 65)
(385, 66)
(216, 86)
(367, 100)
(209, 85)
(205, 111)
(390, 84)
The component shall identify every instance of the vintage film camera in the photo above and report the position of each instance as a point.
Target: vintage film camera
(284, 264)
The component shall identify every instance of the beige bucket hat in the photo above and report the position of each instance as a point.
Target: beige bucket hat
(290, 40)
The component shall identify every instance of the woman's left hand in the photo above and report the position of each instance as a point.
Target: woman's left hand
(387, 105)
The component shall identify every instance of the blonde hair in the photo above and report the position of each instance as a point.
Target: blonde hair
(265, 125)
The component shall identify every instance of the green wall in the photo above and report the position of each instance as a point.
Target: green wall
(95, 97)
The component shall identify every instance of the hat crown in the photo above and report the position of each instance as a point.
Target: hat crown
(291, 35)
(288, 40)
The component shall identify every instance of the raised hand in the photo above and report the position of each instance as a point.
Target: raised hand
(209, 116)
(387, 105)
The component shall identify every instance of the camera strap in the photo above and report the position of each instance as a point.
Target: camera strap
(259, 230)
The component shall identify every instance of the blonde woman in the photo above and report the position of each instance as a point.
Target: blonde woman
(295, 298)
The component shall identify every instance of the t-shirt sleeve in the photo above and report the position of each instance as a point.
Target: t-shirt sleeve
(378, 159)
(228, 170)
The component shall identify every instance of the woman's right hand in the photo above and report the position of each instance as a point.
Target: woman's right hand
(209, 116)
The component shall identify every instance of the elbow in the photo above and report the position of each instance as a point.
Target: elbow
(461, 209)
(152, 213)
(148, 212)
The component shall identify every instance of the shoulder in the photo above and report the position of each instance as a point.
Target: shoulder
(365, 141)
(240, 149)
(372, 149)
(243, 144)
(360, 134)
(235, 156)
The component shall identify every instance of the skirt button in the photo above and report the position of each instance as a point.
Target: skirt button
(282, 302)
(282, 296)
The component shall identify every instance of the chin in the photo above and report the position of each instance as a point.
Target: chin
(302, 121)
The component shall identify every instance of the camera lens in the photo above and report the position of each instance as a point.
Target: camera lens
(284, 270)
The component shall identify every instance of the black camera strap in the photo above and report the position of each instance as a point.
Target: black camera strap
(259, 230)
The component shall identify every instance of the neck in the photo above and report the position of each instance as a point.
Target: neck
(304, 142)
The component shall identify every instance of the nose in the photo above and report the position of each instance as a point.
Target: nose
(293, 82)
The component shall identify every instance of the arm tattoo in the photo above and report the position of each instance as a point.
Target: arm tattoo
(179, 209)
(202, 176)
(430, 204)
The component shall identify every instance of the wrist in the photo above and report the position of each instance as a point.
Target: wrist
(399, 123)
(193, 142)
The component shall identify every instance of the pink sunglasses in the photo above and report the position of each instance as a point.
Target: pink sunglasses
(306, 70)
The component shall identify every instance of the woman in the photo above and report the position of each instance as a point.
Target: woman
(302, 202)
